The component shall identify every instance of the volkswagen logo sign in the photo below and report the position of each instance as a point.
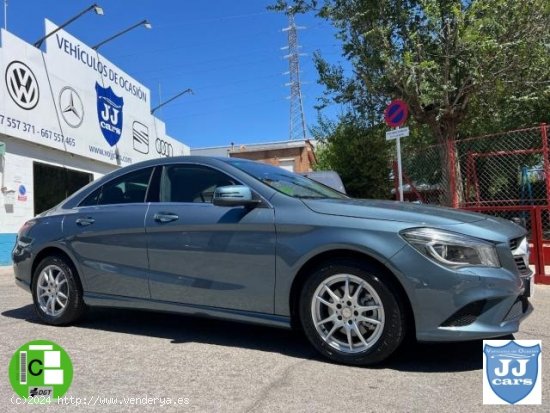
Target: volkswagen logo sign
(22, 85)
(164, 148)
(71, 107)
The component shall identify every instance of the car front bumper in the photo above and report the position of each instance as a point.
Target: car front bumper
(465, 304)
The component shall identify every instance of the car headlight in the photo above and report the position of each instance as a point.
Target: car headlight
(451, 249)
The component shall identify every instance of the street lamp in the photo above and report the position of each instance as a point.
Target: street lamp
(171, 99)
(5, 14)
(97, 10)
(143, 23)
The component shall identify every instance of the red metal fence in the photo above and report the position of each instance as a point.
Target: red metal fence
(505, 174)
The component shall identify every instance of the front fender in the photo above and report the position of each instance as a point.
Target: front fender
(298, 244)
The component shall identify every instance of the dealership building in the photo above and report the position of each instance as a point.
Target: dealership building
(67, 117)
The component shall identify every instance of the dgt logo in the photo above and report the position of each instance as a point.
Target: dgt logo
(511, 372)
(40, 368)
(40, 391)
(22, 85)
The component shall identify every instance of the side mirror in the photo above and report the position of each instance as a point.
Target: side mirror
(234, 195)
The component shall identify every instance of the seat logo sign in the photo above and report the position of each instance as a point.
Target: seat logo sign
(512, 372)
(22, 85)
(140, 134)
(109, 112)
(40, 369)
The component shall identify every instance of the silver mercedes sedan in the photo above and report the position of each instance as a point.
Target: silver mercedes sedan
(244, 241)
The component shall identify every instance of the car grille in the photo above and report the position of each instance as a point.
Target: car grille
(518, 309)
(514, 243)
(523, 268)
(466, 315)
(520, 257)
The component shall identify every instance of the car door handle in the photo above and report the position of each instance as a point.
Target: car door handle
(164, 217)
(84, 222)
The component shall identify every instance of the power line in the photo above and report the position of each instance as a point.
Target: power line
(210, 112)
(223, 36)
(228, 96)
(200, 89)
(195, 46)
(215, 19)
(206, 62)
(155, 74)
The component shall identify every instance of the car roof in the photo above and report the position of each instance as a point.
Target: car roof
(213, 161)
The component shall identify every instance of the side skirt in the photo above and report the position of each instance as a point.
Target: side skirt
(116, 301)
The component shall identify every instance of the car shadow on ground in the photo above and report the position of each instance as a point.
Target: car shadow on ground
(411, 357)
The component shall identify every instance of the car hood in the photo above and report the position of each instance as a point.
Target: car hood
(393, 211)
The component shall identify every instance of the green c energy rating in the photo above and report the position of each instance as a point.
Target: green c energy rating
(40, 369)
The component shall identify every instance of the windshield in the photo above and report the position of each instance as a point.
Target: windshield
(286, 182)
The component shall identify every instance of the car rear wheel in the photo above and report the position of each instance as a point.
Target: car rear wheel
(350, 314)
(56, 292)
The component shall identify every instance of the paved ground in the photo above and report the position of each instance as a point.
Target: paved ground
(222, 366)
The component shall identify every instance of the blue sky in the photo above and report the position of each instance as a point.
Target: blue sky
(228, 52)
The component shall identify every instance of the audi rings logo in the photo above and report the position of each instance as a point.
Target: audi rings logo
(164, 148)
(22, 85)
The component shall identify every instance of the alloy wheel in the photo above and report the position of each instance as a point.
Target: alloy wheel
(52, 290)
(347, 313)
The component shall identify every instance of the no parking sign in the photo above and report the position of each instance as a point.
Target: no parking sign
(396, 113)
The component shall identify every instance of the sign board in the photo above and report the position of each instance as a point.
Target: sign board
(397, 133)
(2, 148)
(72, 99)
(396, 113)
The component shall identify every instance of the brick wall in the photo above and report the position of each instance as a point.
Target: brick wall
(302, 156)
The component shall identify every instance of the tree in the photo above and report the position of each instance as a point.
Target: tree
(444, 57)
(358, 153)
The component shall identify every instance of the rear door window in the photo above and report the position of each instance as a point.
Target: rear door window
(126, 189)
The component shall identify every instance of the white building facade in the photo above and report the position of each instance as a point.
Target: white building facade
(67, 117)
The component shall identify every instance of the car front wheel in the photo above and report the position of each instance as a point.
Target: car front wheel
(56, 292)
(350, 314)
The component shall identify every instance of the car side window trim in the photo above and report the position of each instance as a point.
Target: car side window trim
(264, 202)
(153, 187)
(144, 202)
(191, 183)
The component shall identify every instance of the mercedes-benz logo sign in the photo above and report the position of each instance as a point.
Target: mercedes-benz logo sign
(72, 109)
(164, 148)
(22, 85)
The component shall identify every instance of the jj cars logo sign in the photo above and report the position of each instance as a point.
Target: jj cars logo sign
(511, 372)
(22, 85)
(109, 112)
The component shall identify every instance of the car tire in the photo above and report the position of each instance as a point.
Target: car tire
(334, 321)
(56, 292)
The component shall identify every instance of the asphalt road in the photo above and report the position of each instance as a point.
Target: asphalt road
(226, 367)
